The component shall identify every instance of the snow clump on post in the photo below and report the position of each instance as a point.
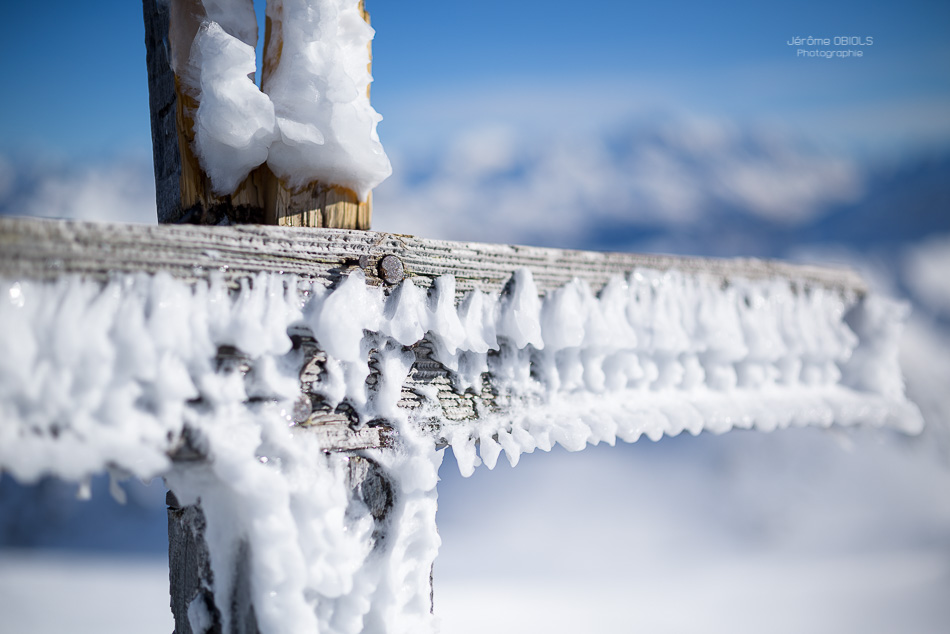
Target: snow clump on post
(311, 122)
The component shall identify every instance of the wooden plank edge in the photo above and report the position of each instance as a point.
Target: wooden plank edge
(48, 249)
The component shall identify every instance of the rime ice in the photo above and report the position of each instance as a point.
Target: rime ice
(319, 89)
(235, 124)
(98, 376)
(313, 120)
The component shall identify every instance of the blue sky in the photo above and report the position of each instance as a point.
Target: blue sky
(76, 85)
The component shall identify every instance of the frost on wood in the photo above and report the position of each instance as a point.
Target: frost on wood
(126, 375)
(234, 123)
(149, 375)
(311, 122)
(319, 89)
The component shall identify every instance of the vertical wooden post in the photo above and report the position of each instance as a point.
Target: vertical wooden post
(184, 195)
(163, 106)
(189, 562)
(183, 190)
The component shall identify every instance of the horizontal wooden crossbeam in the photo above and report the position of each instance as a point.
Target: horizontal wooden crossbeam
(48, 250)
(44, 249)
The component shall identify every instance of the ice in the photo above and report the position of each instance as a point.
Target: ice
(445, 326)
(320, 93)
(234, 124)
(100, 376)
(407, 319)
(311, 120)
(339, 321)
(874, 366)
(235, 16)
(521, 311)
(199, 619)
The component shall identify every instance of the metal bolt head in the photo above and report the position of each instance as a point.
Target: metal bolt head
(391, 270)
(302, 409)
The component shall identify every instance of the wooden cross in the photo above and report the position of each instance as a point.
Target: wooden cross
(326, 243)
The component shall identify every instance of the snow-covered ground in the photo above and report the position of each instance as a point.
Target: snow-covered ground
(795, 531)
(53, 591)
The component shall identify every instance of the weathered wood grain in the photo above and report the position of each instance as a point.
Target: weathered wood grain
(45, 249)
(163, 107)
(189, 569)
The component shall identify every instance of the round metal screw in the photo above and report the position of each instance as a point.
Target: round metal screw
(302, 409)
(391, 270)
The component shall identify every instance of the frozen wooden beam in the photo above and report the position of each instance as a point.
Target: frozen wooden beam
(56, 250)
(53, 250)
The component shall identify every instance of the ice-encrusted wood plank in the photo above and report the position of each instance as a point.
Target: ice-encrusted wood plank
(47, 250)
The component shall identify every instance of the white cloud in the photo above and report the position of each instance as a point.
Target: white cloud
(507, 184)
(927, 273)
(482, 151)
(791, 188)
(117, 191)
